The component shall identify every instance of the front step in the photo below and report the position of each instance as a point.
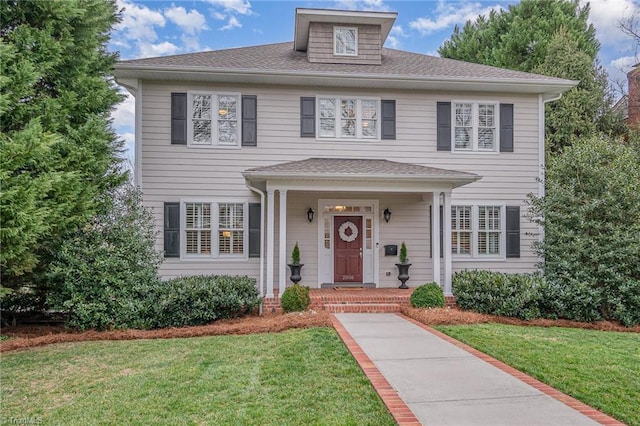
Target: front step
(342, 308)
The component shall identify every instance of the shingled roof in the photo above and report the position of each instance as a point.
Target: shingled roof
(359, 169)
(281, 57)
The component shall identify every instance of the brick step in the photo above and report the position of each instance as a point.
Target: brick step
(361, 307)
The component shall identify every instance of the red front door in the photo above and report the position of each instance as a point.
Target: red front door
(347, 256)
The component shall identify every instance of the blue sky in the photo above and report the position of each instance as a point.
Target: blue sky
(160, 28)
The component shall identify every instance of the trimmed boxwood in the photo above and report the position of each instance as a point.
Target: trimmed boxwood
(427, 296)
(512, 295)
(295, 298)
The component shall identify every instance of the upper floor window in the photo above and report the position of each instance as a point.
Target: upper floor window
(478, 231)
(213, 119)
(348, 118)
(474, 126)
(345, 41)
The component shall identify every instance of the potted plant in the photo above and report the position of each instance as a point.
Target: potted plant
(403, 266)
(295, 265)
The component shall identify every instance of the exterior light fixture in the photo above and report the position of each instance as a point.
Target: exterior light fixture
(387, 215)
(310, 214)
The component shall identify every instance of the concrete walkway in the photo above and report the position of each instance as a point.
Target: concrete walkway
(446, 385)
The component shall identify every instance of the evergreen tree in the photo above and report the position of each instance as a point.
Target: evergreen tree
(59, 153)
(550, 37)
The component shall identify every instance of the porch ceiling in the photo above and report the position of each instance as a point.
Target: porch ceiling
(358, 174)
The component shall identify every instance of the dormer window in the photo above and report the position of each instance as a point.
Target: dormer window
(345, 41)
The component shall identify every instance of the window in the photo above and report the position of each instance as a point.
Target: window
(214, 229)
(348, 118)
(213, 119)
(231, 228)
(477, 231)
(474, 127)
(345, 41)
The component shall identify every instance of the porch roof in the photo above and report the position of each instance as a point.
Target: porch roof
(359, 170)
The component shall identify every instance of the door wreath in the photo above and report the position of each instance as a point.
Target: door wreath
(342, 231)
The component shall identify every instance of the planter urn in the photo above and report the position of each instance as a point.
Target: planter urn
(295, 272)
(403, 274)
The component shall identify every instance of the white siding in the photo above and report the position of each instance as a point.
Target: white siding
(173, 171)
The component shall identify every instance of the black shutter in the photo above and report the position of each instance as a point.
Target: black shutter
(249, 120)
(444, 126)
(441, 231)
(513, 231)
(307, 117)
(254, 229)
(388, 108)
(506, 127)
(178, 118)
(171, 229)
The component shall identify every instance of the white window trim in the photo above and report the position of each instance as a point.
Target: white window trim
(338, 101)
(334, 41)
(475, 122)
(475, 217)
(215, 221)
(214, 129)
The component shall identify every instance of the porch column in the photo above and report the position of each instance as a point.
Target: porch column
(282, 272)
(435, 236)
(447, 242)
(270, 242)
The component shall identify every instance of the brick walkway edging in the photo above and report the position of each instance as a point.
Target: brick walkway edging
(396, 406)
(581, 407)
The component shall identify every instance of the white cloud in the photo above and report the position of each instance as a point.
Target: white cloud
(376, 5)
(625, 63)
(190, 22)
(231, 24)
(396, 33)
(139, 22)
(449, 14)
(238, 6)
(605, 16)
(160, 49)
(219, 16)
(124, 113)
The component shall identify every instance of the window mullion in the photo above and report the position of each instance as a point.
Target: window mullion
(215, 231)
(358, 118)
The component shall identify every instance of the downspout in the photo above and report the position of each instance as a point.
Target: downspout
(542, 150)
(261, 285)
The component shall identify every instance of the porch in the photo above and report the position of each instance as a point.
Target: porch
(353, 300)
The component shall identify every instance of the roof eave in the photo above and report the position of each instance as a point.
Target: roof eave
(462, 178)
(394, 81)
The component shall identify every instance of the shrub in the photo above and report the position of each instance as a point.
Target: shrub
(98, 275)
(295, 255)
(512, 295)
(591, 219)
(402, 257)
(427, 296)
(201, 299)
(295, 298)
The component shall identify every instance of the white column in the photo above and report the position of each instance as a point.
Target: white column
(270, 242)
(282, 272)
(435, 236)
(447, 243)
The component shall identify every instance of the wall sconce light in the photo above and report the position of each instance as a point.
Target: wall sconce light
(310, 214)
(387, 215)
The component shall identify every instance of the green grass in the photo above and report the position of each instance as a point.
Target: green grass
(601, 369)
(299, 377)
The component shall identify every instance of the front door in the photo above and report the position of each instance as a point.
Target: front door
(347, 257)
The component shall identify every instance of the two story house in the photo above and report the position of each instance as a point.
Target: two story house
(344, 147)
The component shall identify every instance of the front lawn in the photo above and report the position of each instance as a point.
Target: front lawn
(601, 369)
(299, 377)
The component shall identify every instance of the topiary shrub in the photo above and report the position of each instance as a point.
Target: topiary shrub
(512, 295)
(295, 298)
(427, 296)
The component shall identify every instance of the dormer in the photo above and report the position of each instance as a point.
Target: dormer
(342, 36)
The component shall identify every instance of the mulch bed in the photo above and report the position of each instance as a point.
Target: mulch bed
(26, 336)
(454, 316)
(30, 336)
